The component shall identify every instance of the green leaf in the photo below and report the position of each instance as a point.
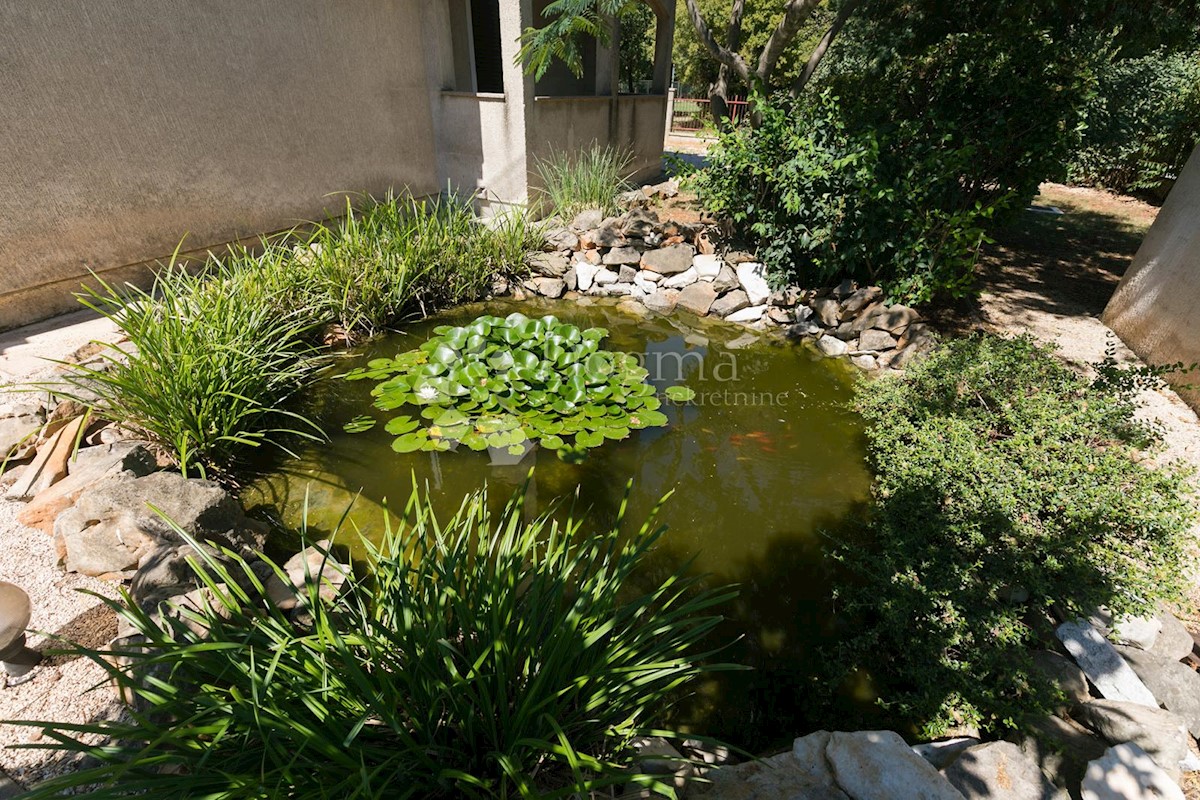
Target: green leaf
(680, 394)
(360, 424)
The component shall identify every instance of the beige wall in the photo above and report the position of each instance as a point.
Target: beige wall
(1156, 308)
(127, 124)
(575, 123)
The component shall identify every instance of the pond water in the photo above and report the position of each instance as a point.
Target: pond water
(765, 462)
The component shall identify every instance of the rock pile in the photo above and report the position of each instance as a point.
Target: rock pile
(661, 266)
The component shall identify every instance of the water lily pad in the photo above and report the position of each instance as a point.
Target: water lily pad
(360, 424)
(680, 394)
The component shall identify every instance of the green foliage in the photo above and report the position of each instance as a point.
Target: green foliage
(505, 382)
(820, 202)
(566, 25)
(1009, 490)
(206, 372)
(636, 62)
(591, 178)
(1143, 121)
(487, 656)
(216, 359)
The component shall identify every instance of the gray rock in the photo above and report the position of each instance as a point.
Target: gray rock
(868, 317)
(736, 257)
(787, 297)
(640, 224)
(896, 319)
(707, 266)
(604, 276)
(19, 425)
(1126, 772)
(614, 289)
(90, 466)
(627, 274)
(865, 362)
(780, 315)
(1173, 641)
(1160, 733)
(549, 287)
(587, 220)
(832, 346)
(571, 279)
(879, 765)
(609, 233)
(781, 777)
(827, 311)
(112, 526)
(682, 279)
(845, 332)
(562, 239)
(1175, 685)
(1062, 748)
(634, 197)
(697, 298)
(941, 753)
(730, 302)
(741, 342)
(551, 265)
(753, 278)
(748, 314)
(1064, 673)
(861, 298)
(669, 260)
(876, 340)
(844, 289)
(1138, 631)
(663, 301)
(622, 255)
(1111, 676)
(314, 567)
(999, 770)
(164, 573)
(726, 279)
(585, 274)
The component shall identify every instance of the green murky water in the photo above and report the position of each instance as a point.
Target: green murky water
(763, 463)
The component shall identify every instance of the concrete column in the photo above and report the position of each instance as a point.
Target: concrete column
(664, 42)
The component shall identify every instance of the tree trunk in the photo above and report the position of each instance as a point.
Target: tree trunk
(718, 94)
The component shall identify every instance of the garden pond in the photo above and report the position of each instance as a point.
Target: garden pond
(764, 462)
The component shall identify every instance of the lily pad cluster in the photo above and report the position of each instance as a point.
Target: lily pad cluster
(509, 382)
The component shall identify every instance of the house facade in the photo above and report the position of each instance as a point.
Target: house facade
(130, 126)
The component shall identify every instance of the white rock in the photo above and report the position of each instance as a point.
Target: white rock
(943, 751)
(707, 267)
(879, 765)
(1138, 631)
(1126, 772)
(685, 278)
(750, 314)
(645, 285)
(832, 347)
(1102, 664)
(753, 278)
(585, 274)
(605, 276)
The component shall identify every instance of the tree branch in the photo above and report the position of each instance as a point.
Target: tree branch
(818, 53)
(724, 55)
(795, 14)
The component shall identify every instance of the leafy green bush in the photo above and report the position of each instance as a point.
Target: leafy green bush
(504, 382)
(206, 372)
(1009, 490)
(485, 657)
(821, 202)
(216, 357)
(1143, 121)
(592, 178)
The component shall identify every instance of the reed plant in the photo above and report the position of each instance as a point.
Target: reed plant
(591, 178)
(487, 656)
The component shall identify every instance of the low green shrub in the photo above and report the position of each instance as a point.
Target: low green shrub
(591, 178)
(821, 202)
(1010, 491)
(486, 656)
(216, 357)
(1142, 123)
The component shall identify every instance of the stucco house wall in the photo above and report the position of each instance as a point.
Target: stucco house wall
(1156, 307)
(128, 125)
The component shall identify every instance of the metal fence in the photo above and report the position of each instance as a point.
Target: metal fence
(693, 115)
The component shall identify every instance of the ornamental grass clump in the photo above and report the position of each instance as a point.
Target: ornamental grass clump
(591, 178)
(483, 656)
(506, 382)
(1011, 493)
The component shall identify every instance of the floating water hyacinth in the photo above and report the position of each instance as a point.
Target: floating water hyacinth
(507, 382)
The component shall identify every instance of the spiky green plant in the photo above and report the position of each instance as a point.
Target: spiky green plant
(485, 656)
(207, 371)
(591, 178)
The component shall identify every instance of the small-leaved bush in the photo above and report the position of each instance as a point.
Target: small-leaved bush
(591, 178)
(820, 202)
(1010, 493)
(486, 656)
(215, 358)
